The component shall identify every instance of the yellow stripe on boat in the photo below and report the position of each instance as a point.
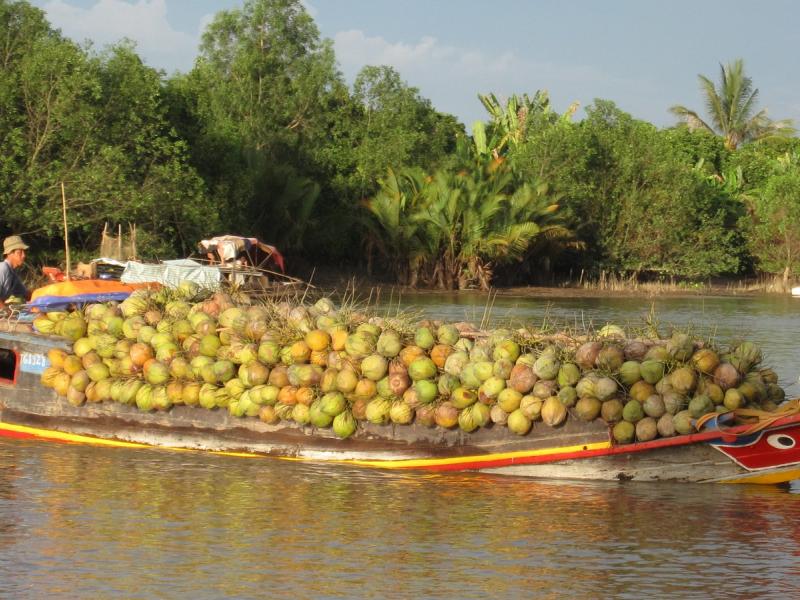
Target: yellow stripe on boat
(69, 437)
(770, 478)
(419, 463)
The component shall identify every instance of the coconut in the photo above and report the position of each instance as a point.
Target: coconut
(587, 409)
(425, 415)
(99, 371)
(480, 352)
(422, 368)
(733, 399)
(518, 422)
(586, 355)
(635, 350)
(522, 378)
(657, 352)
(611, 410)
(624, 432)
(447, 383)
(502, 368)
(705, 360)
(423, 337)
(568, 396)
(463, 397)
(673, 402)
(531, 406)
(585, 388)
(745, 356)
(610, 358)
(481, 414)
(605, 388)
(447, 334)
(446, 415)
(632, 411)
(641, 391)
(630, 372)
(268, 415)
(553, 411)
(680, 347)
(466, 421)
(568, 374)
(377, 411)
(683, 380)
(509, 400)
(683, 422)
(646, 429)
(506, 349)
(498, 415)
(726, 376)
(654, 406)
(389, 344)
(456, 362)
(546, 367)
(301, 414)
(665, 425)
(439, 354)
(544, 389)
(652, 371)
(411, 353)
(490, 389)
(344, 425)
(426, 391)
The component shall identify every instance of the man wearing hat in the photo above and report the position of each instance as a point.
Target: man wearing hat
(10, 283)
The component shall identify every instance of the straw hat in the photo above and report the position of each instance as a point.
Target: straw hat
(13, 242)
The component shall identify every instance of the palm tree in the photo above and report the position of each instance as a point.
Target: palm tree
(732, 108)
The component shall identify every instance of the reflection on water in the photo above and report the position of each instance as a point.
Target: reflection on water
(771, 321)
(88, 522)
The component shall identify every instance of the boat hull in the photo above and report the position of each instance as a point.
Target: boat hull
(577, 450)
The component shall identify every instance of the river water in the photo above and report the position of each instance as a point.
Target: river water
(85, 522)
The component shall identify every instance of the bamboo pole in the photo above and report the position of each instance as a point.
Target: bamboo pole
(66, 230)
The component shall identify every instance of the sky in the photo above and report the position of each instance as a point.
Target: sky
(645, 55)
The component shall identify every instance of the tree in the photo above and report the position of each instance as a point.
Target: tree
(775, 235)
(732, 109)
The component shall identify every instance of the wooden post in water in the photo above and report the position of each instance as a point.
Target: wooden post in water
(66, 230)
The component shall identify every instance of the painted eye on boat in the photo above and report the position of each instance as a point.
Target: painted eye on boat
(781, 441)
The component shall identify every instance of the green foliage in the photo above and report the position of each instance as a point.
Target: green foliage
(775, 239)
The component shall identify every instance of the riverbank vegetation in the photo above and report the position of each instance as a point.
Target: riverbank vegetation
(263, 137)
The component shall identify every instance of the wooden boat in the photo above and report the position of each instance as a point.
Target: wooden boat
(766, 454)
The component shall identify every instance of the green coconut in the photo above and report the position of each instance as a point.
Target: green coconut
(700, 405)
(377, 411)
(568, 374)
(344, 424)
(652, 371)
(568, 396)
(423, 337)
(546, 367)
(447, 334)
(422, 368)
(683, 422)
(509, 400)
(506, 349)
(483, 370)
(518, 422)
(503, 368)
(633, 411)
(624, 432)
(426, 390)
(630, 372)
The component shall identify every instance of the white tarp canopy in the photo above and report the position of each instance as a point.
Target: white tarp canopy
(171, 273)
